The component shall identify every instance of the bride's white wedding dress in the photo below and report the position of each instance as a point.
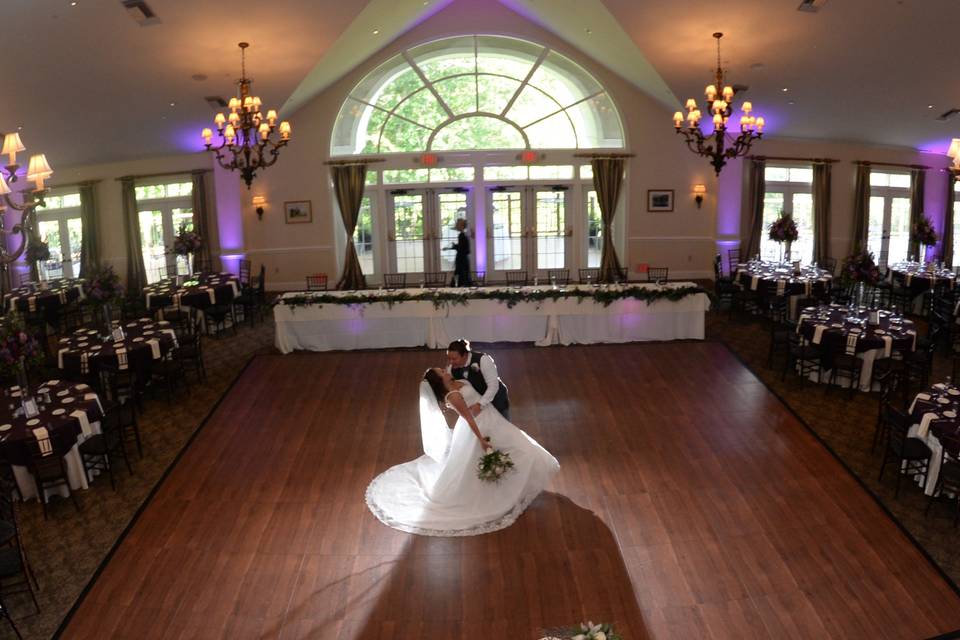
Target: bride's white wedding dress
(439, 493)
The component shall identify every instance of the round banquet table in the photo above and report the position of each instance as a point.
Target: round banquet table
(919, 278)
(774, 279)
(935, 414)
(145, 340)
(839, 329)
(72, 415)
(30, 298)
(198, 291)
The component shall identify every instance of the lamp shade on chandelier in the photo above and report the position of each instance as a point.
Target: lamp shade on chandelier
(719, 109)
(954, 153)
(247, 141)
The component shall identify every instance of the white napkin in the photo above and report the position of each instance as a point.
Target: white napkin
(818, 333)
(63, 296)
(887, 346)
(781, 287)
(807, 288)
(43, 439)
(149, 296)
(908, 278)
(800, 320)
(32, 303)
(852, 343)
(155, 348)
(236, 289)
(84, 362)
(925, 424)
(920, 396)
(914, 334)
(60, 357)
(212, 295)
(81, 417)
(754, 282)
(122, 358)
(93, 396)
(173, 334)
(82, 295)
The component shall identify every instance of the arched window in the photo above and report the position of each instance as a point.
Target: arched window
(476, 92)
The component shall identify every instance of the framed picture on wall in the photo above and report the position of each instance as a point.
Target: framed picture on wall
(297, 211)
(660, 200)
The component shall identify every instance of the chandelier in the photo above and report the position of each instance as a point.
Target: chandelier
(38, 170)
(715, 146)
(954, 153)
(245, 138)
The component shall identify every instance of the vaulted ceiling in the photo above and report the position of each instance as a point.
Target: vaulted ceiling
(87, 83)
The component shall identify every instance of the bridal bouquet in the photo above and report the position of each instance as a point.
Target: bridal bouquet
(587, 631)
(494, 465)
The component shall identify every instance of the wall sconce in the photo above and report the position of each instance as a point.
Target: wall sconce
(258, 202)
(699, 190)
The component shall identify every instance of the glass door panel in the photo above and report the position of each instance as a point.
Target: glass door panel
(772, 206)
(876, 234)
(450, 208)
(181, 219)
(551, 229)
(594, 230)
(75, 236)
(50, 233)
(506, 230)
(363, 237)
(802, 249)
(899, 230)
(408, 231)
(152, 245)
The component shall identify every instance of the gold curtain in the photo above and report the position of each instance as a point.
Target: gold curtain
(201, 222)
(947, 242)
(821, 211)
(607, 181)
(752, 223)
(861, 210)
(917, 180)
(90, 240)
(348, 184)
(136, 271)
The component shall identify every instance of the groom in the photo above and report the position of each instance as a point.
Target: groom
(480, 371)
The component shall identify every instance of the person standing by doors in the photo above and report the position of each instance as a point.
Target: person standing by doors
(461, 262)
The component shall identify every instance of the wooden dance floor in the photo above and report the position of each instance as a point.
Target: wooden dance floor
(690, 504)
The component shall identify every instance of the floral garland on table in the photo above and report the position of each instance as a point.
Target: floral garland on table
(103, 286)
(16, 345)
(37, 251)
(586, 631)
(783, 229)
(860, 267)
(510, 297)
(924, 233)
(187, 242)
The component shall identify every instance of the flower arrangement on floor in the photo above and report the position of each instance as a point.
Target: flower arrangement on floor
(17, 348)
(924, 234)
(783, 229)
(860, 267)
(586, 631)
(37, 251)
(103, 286)
(494, 465)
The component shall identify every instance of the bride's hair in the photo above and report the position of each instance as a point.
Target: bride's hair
(436, 383)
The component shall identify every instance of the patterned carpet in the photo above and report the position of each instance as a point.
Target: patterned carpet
(846, 426)
(66, 550)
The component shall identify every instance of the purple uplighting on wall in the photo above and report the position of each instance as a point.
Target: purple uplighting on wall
(229, 217)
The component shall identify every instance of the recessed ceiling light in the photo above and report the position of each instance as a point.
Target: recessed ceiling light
(376, 32)
(173, 104)
(791, 102)
(74, 3)
(785, 89)
(588, 30)
(20, 128)
(929, 106)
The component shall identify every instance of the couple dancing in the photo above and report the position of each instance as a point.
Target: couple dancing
(441, 492)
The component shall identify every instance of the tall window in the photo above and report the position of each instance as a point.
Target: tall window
(889, 224)
(60, 227)
(363, 236)
(165, 209)
(788, 190)
(594, 230)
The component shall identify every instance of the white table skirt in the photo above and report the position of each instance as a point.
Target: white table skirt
(418, 323)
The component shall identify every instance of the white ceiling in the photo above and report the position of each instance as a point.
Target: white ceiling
(87, 84)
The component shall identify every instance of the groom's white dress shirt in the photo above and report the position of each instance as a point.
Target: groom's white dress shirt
(488, 369)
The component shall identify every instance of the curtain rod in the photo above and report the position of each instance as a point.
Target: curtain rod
(890, 164)
(604, 155)
(354, 161)
(82, 183)
(163, 174)
(790, 159)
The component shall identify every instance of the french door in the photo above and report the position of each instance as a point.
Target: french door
(159, 224)
(421, 225)
(889, 229)
(63, 234)
(528, 228)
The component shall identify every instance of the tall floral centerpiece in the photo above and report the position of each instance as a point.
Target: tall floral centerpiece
(187, 243)
(37, 252)
(784, 230)
(924, 234)
(103, 289)
(859, 269)
(19, 353)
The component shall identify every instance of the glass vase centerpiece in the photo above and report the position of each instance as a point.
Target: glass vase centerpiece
(104, 290)
(859, 271)
(38, 253)
(924, 235)
(783, 231)
(187, 243)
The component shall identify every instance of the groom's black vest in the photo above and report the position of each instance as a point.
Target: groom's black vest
(474, 376)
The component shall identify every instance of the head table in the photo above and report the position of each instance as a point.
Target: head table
(576, 314)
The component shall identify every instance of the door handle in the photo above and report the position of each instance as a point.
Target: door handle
(569, 232)
(391, 237)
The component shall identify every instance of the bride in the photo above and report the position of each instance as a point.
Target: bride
(439, 493)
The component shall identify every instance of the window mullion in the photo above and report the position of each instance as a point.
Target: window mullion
(533, 69)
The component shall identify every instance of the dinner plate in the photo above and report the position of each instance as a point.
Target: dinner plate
(42, 390)
(880, 332)
(953, 391)
(138, 339)
(837, 325)
(59, 412)
(14, 394)
(943, 400)
(949, 414)
(939, 385)
(33, 421)
(131, 324)
(50, 383)
(6, 427)
(67, 400)
(65, 392)
(96, 347)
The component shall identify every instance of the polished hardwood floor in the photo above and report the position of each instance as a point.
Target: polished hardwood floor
(690, 504)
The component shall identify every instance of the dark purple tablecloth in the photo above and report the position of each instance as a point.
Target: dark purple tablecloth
(839, 327)
(810, 282)
(944, 425)
(84, 351)
(917, 279)
(195, 291)
(59, 293)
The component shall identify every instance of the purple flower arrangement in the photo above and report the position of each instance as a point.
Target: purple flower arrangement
(783, 229)
(16, 345)
(103, 285)
(187, 242)
(37, 251)
(860, 267)
(924, 233)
